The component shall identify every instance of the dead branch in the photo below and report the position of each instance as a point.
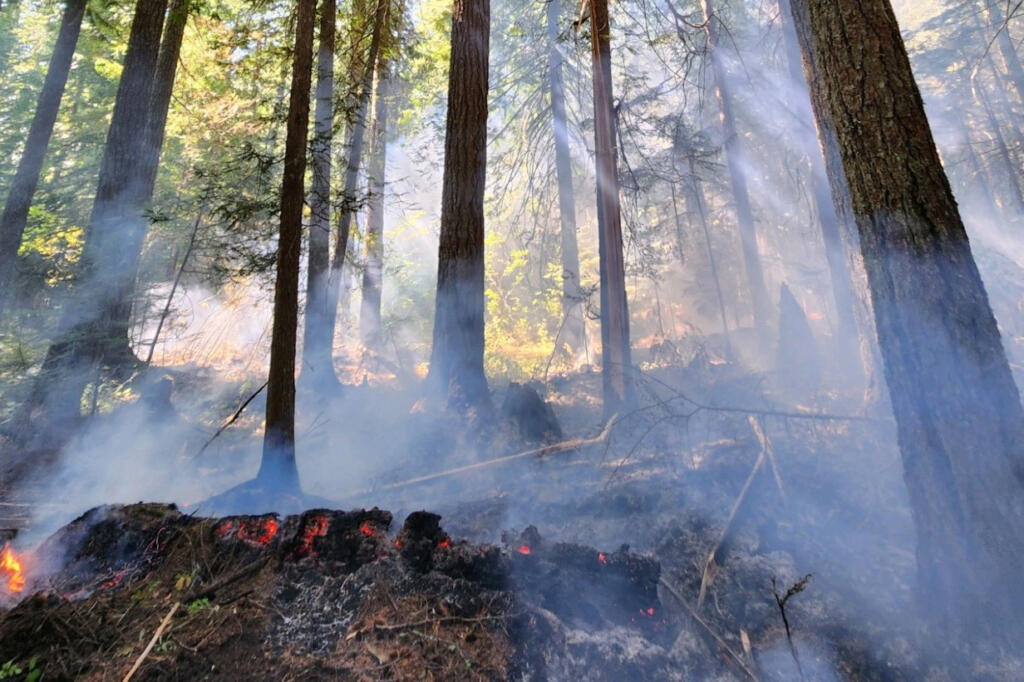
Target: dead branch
(152, 642)
(700, 621)
(233, 419)
(781, 600)
(766, 446)
(543, 451)
(711, 565)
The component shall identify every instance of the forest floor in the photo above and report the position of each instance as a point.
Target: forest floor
(654, 551)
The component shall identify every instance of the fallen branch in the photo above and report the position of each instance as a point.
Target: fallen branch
(233, 419)
(152, 642)
(543, 451)
(711, 565)
(700, 621)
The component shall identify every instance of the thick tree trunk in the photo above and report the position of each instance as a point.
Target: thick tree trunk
(278, 468)
(26, 178)
(958, 411)
(369, 312)
(616, 363)
(572, 297)
(149, 163)
(737, 179)
(317, 364)
(324, 342)
(106, 262)
(457, 355)
(842, 294)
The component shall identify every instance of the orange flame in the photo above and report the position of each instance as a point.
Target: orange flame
(366, 529)
(10, 566)
(446, 543)
(524, 549)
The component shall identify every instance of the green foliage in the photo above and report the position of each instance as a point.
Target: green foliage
(10, 670)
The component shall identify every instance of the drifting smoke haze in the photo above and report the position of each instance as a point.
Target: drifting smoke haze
(213, 349)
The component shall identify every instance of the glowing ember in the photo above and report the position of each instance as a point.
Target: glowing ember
(223, 529)
(366, 529)
(398, 544)
(649, 611)
(524, 549)
(10, 566)
(260, 532)
(446, 543)
(316, 527)
(602, 558)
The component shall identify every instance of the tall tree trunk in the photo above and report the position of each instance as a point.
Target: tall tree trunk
(317, 364)
(699, 203)
(958, 412)
(369, 313)
(457, 355)
(1011, 169)
(616, 363)
(842, 294)
(998, 23)
(734, 159)
(278, 468)
(106, 261)
(166, 71)
(324, 342)
(572, 296)
(26, 178)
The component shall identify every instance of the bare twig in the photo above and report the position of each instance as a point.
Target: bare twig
(209, 590)
(781, 600)
(700, 621)
(174, 287)
(233, 419)
(152, 642)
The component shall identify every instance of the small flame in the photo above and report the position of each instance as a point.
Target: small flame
(524, 549)
(602, 558)
(446, 543)
(366, 529)
(316, 527)
(10, 566)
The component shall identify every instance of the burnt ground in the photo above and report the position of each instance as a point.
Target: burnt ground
(583, 564)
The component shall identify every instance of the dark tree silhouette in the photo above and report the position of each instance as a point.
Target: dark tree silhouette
(107, 260)
(369, 313)
(26, 178)
(615, 351)
(737, 179)
(572, 304)
(457, 355)
(278, 468)
(316, 346)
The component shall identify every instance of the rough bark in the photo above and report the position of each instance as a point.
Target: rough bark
(278, 466)
(958, 412)
(349, 199)
(369, 312)
(457, 355)
(737, 180)
(616, 364)
(828, 221)
(106, 263)
(572, 297)
(863, 313)
(316, 345)
(26, 178)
